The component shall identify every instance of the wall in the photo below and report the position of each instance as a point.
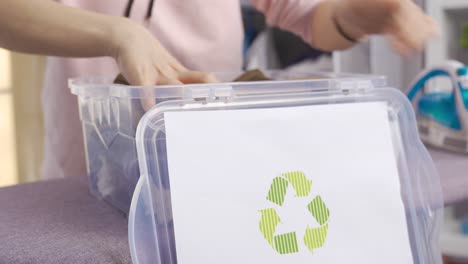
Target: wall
(8, 164)
(27, 77)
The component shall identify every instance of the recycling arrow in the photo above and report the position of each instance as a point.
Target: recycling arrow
(287, 243)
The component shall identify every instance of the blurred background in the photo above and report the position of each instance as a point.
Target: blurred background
(21, 77)
(21, 130)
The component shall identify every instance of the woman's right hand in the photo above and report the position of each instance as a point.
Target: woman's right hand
(142, 59)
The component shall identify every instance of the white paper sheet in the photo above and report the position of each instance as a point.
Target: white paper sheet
(222, 164)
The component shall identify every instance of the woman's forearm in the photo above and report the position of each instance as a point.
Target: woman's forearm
(49, 28)
(337, 24)
(325, 35)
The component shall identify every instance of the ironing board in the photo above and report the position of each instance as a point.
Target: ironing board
(453, 170)
(60, 222)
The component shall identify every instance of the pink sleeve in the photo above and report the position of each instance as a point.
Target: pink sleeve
(292, 15)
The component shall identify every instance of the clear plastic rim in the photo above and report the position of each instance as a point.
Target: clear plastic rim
(103, 86)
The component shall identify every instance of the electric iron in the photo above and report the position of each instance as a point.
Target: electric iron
(442, 115)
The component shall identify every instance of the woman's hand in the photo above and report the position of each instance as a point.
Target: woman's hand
(402, 20)
(142, 60)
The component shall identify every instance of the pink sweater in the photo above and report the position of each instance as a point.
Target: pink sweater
(192, 30)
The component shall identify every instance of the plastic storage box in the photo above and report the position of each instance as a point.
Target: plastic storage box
(111, 114)
(151, 206)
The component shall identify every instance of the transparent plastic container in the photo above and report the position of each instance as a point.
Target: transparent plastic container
(151, 229)
(110, 114)
(113, 114)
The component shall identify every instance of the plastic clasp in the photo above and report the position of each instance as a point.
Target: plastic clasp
(351, 86)
(209, 93)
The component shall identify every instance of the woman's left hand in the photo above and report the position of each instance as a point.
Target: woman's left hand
(402, 20)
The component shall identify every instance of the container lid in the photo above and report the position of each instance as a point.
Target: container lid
(103, 86)
(168, 211)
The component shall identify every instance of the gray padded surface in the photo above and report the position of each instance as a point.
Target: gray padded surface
(60, 222)
(453, 171)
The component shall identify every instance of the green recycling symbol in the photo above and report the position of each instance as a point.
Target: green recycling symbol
(287, 243)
